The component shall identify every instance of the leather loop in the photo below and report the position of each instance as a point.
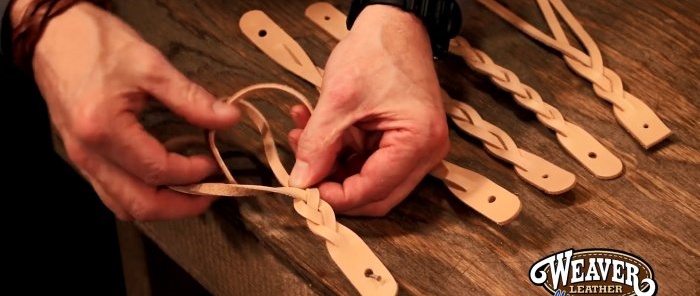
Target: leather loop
(462, 182)
(633, 114)
(347, 250)
(580, 144)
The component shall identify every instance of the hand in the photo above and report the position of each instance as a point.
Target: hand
(95, 74)
(379, 126)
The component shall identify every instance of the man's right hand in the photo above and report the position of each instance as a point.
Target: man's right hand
(95, 74)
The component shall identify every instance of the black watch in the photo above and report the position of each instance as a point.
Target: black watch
(442, 18)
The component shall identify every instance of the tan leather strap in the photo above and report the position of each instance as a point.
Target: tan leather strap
(278, 45)
(326, 16)
(478, 192)
(633, 114)
(580, 144)
(533, 169)
(354, 258)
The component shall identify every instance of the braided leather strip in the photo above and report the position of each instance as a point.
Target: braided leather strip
(604, 164)
(533, 169)
(348, 250)
(633, 114)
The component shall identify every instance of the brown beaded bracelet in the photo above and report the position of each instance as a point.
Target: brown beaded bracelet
(27, 33)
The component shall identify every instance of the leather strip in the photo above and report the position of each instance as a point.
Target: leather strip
(633, 114)
(326, 16)
(491, 200)
(478, 192)
(533, 169)
(580, 144)
(278, 45)
(354, 258)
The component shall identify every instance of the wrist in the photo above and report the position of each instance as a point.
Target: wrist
(380, 14)
(440, 18)
(393, 25)
(29, 19)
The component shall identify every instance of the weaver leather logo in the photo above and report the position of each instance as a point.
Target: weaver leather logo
(594, 272)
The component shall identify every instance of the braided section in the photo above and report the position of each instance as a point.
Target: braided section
(606, 83)
(319, 216)
(605, 165)
(533, 169)
(523, 94)
(633, 114)
(495, 140)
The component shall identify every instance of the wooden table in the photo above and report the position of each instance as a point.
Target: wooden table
(432, 243)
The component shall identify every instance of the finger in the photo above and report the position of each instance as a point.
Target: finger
(319, 144)
(87, 163)
(137, 152)
(377, 180)
(347, 196)
(379, 208)
(300, 116)
(185, 97)
(334, 173)
(347, 166)
(293, 138)
(108, 201)
(368, 207)
(145, 203)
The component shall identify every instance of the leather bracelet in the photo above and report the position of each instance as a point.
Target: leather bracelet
(27, 33)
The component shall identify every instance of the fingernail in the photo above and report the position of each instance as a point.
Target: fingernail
(222, 109)
(299, 175)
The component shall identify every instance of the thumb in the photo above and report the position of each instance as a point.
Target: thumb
(188, 99)
(319, 145)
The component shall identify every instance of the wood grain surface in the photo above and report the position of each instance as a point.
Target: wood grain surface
(432, 243)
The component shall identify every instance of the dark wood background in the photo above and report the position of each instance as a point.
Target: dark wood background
(432, 243)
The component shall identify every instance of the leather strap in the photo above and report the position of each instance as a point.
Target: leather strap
(479, 193)
(580, 144)
(326, 16)
(633, 114)
(533, 169)
(279, 46)
(354, 258)
(491, 200)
